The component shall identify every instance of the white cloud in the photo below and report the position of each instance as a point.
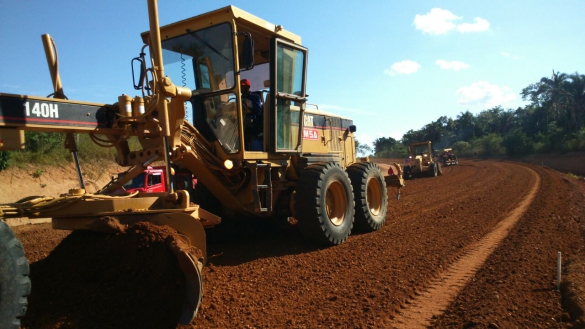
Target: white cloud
(507, 55)
(480, 25)
(485, 94)
(364, 138)
(440, 21)
(437, 21)
(404, 67)
(452, 65)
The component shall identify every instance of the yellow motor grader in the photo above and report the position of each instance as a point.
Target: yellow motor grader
(421, 161)
(298, 165)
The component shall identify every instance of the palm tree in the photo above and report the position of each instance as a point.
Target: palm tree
(555, 96)
(466, 126)
(576, 90)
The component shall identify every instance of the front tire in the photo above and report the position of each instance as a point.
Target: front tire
(14, 281)
(433, 170)
(370, 196)
(324, 204)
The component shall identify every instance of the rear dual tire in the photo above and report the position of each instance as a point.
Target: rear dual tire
(370, 195)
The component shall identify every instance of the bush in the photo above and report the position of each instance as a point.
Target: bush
(462, 148)
(48, 149)
(517, 143)
(491, 145)
(42, 142)
(4, 159)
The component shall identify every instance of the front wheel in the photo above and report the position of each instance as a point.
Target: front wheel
(370, 196)
(433, 171)
(14, 281)
(324, 204)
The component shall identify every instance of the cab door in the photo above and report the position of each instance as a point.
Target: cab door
(287, 93)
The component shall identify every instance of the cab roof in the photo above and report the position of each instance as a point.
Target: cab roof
(244, 22)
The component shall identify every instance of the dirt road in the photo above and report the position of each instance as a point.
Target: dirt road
(475, 247)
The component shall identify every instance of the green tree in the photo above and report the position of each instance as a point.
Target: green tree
(576, 102)
(491, 145)
(412, 136)
(466, 124)
(362, 149)
(4, 159)
(42, 142)
(462, 148)
(517, 143)
(384, 144)
(435, 130)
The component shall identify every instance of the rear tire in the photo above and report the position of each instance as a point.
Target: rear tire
(324, 204)
(14, 281)
(370, 196)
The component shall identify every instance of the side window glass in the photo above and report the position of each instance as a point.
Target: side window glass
(221, 117)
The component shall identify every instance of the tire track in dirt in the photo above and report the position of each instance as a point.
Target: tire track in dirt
(417, 313)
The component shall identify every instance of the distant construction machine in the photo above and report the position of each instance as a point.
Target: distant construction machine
(448, 158)
(421, 162)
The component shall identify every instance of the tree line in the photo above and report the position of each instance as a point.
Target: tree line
(553, 121)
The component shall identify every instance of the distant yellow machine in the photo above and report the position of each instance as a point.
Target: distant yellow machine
(421, 161)
(302, 165)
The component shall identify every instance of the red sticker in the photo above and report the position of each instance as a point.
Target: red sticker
(312, 134)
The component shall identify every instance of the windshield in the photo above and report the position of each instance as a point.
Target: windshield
(136, 182)
(420, 150)
(201, 60)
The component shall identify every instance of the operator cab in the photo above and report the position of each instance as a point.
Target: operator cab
(211, 53)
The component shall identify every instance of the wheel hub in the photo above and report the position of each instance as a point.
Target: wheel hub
(336, 203)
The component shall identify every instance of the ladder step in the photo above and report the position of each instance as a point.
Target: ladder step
(262, 202)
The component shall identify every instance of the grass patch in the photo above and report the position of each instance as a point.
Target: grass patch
(573, 175)
(52, 152)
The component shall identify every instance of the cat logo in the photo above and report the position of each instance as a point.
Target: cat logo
(308, 120)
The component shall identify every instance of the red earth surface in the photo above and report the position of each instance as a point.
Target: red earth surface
(476, 247)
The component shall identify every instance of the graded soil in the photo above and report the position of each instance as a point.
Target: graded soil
(476, 247)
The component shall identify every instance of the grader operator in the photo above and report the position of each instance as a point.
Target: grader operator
(303, 167)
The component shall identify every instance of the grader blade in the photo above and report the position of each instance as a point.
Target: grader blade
(188, 246)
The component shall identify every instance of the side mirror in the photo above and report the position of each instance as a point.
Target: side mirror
(140, 84)
(352, 129)
(247, 61)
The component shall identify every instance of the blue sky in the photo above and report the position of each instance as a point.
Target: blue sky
(391, 66)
